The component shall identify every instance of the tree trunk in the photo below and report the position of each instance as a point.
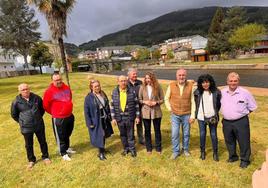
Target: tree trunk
(63, 58)
(40, 68)
(25, 62)
(26, 66)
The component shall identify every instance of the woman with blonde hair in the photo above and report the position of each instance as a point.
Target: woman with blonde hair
(151, 96)
(98, 117)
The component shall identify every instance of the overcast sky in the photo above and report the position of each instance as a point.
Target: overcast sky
(91, 19)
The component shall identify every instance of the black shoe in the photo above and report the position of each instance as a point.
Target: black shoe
(133, 154)
(102, 156)
(124, 153)
(203, 155)
(107, 152)
(231, 160)
(215, 157)
(244, 164)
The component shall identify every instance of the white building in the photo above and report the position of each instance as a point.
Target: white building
(199, 42)
(106, 52)
(7, 61)
(195, 43)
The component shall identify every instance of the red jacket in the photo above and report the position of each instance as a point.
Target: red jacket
(58, 101)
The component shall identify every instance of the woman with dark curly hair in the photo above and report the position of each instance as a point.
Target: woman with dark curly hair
(207, 100)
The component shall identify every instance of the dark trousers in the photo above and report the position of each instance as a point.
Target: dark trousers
(237, 130)
(102, 149)
(157, 131)
(203, 134)
(140, 132)
(126, 128)
(63, 128)
(28, 137)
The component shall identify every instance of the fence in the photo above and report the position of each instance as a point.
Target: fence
(6, 74)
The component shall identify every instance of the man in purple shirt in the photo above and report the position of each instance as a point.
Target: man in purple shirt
(236, 104)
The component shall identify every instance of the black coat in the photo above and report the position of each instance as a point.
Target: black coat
(29, 114)
(216, 97)
(92, 116)
(135, 86)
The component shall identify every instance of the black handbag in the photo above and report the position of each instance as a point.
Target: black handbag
(211, 120)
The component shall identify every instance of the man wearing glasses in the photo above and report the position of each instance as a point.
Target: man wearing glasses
(27, 109)
(57, 101)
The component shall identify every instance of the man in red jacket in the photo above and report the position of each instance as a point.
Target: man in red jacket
(58, 102)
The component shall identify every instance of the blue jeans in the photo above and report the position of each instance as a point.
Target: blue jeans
(203, 134)
(176, 122)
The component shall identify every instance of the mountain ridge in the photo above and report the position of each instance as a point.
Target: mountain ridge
(174, 24)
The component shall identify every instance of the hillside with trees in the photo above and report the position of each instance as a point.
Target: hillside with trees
(175, 24)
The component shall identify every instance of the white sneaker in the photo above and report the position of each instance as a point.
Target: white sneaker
(66, 157)
(70, 151)
(30, 165)
(187, 154)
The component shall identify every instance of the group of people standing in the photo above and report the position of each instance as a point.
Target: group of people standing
(28, 109)
(130, 99)
(134, 102)
(188, 102)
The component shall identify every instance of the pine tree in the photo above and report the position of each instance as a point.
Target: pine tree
(215, 33)
(235, 18)
(18, 27)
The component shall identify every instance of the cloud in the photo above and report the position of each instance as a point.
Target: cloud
(90, 20)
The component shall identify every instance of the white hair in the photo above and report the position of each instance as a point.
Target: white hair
(21, 85)
(233, 74)
(130, 70)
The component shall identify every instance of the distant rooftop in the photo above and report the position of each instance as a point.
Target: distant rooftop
(120, 47)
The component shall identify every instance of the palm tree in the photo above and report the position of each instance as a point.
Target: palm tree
(56, 12)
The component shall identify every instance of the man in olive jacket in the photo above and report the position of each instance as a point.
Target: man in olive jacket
(27, 109)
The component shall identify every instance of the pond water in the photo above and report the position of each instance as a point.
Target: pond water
(252, 78)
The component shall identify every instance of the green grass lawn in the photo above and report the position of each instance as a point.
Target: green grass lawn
(86, 170)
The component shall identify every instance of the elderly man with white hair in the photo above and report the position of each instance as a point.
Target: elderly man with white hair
(27, 109)
(236, 104)
(125, 113)
(135, 84)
